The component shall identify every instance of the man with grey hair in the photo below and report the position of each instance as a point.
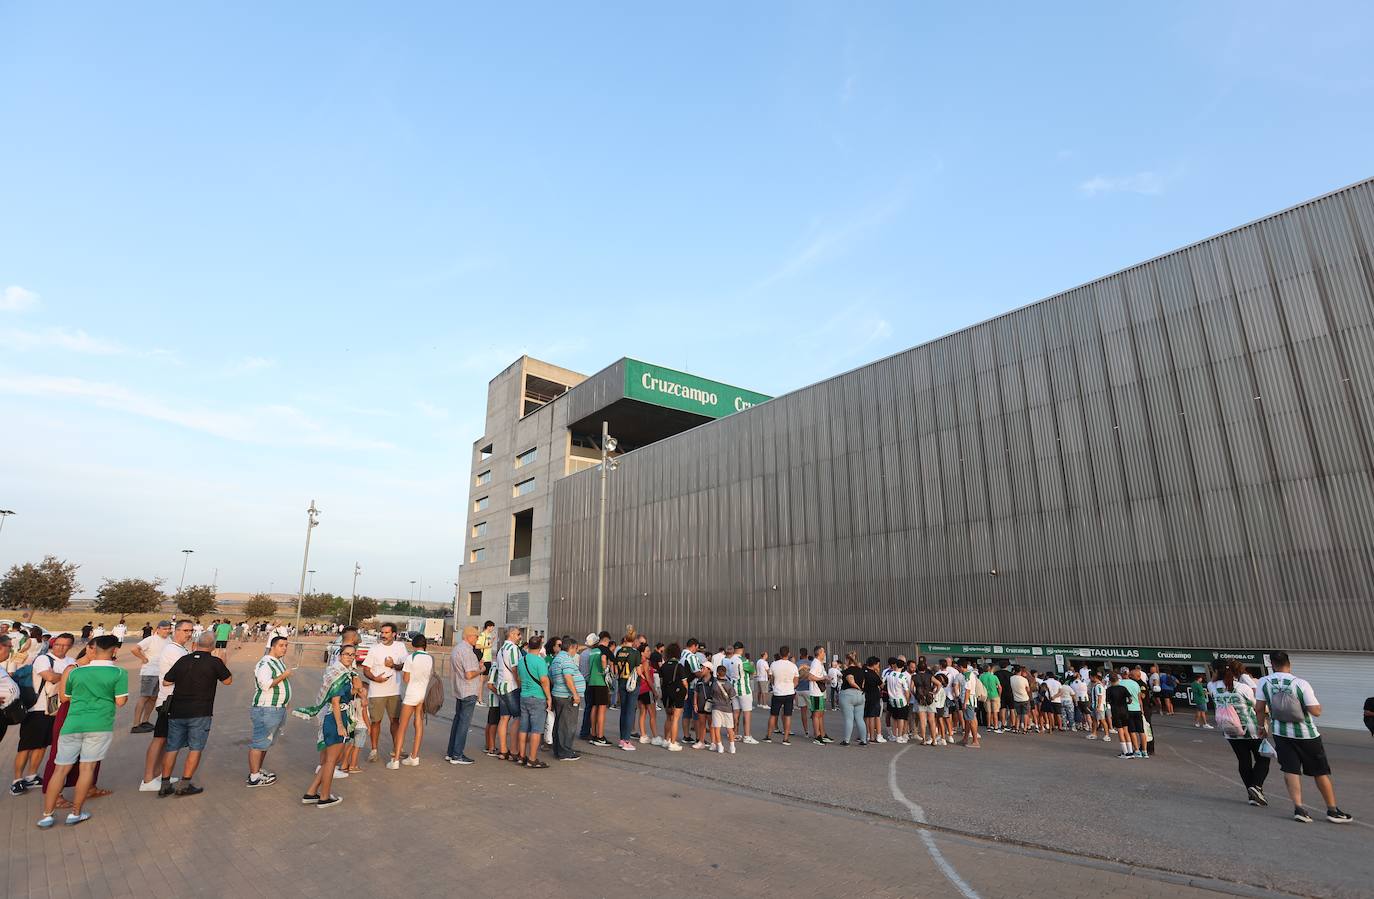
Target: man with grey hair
(466, 669)
(195, 677)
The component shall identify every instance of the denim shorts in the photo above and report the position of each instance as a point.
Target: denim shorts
(970, 712)
(85, 747)
(267, 724)
(187, 733)
(509, 703)
(533, 712)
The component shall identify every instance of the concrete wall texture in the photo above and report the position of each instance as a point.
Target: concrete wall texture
(1179, 454)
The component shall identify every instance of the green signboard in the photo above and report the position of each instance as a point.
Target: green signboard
(679, 390)
(1111, 653)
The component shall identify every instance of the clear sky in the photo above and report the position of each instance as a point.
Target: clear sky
(255, 254)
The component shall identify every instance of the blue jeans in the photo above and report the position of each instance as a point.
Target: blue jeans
(628, 703)
(852, 713)
(462, 719)
(585, 732)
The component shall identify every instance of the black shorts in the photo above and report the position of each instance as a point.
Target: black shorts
(673, 699)
(1135, 722)
(1120, 719)
(160, 725)
(872, 707)
(781, 705)
(221, 644)
(900, 713)
(494, 715)
(35, 731)
(1302, 756)
(646, 699)
(598, 696)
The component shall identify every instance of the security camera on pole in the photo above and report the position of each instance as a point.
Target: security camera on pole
(313, 516)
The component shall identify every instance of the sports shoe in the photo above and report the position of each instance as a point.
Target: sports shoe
(331, 801)
(600, 741)
(393, 765)
(882, 739)
(766, 740)
(698, 745)
(412, 762)
(1300, 814)
(732, 752)
(372, 756)
(570, 758)
(635, 735)
(656, 741)
(340, 774)
(674, 747)
(627, 746)
(643, 739)
(1256, 796)
(186, 788)
(787, 742)
(819, 741)
(165, 790)
(1125, 755)
(262, 780)
(1208, 727)
(18, 788)
(463, 760)
(46, 821)
(74, 818)
(1336, 816)
(720, 748)
(844, 742)
(1092, 736)
(310, 798)
(902, 739)
(749, 741)
(141, 729)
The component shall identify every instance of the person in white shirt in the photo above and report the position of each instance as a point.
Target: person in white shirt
(149, 652)
(384, 661)
(834, 684)
(9, 690)
(99, 630)
(784, 675)
(416, 672)
(35, 733)
(178, 646)
(954, 693)
(120, 630)
(761, 679)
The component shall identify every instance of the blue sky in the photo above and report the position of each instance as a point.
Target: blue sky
(252, 254)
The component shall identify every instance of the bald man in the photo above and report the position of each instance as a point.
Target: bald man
(195, 677)
(466, 668)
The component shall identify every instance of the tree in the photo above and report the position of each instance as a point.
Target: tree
(363, 609)
(193, 602)
(260, 605)
(316, 605)
(45, 587)
(129, 596)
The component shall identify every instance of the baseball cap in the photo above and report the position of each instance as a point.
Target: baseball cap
(164, 623)
(591, 639)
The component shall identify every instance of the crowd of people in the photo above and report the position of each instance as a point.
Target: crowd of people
(544, 695)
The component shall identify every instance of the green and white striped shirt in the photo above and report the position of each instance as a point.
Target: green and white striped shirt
(267, 696)
(1242, 699)
(898, 688)
(1282, 682)
(504, 669)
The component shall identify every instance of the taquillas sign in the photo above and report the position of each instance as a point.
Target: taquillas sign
(1112, 653)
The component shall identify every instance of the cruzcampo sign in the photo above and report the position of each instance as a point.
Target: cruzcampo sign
(1114, 653)
(679, 390)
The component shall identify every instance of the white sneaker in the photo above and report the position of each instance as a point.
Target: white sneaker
(750, 741)
(698, 745)
(372, 756)
(881, 738)
(675, 747)
(412, 762)
(340, 774)
(720, 747)
(1208, 727)
(656, 741)
(150, 786)
(901, 739)
(643, 739)
(393, 765)
(1092, 736)
(732, 748)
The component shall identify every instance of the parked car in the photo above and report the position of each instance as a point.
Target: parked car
(363, 646)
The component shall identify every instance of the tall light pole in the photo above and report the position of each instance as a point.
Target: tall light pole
(312, 580)
(187, 561)
(412, 591)
(357, 570)
(4, 513)
(313, 520)
(608, 445)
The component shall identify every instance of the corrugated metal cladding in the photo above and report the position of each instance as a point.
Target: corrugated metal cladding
(597, 392)
(1176, 455)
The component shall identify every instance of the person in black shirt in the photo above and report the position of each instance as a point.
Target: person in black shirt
(195, 676)
(1118, 698)
(673, 677)
(873, 697)
(1369, 715)
(852, 702)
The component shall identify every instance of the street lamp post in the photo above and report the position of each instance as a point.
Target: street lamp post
(357, 570)
(187, 554)
(412, 591)
(312, 580)
(4, 513)
(313, 520)
(608, 445)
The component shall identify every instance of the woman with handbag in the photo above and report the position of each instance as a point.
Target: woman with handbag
(1240, 726)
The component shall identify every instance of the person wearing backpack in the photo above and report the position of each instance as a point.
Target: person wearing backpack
(1290, 704)
(12, 711)
(416, 673)
(1240, 726)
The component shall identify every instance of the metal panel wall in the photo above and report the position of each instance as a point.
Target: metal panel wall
(597, 392)
(1176, 455)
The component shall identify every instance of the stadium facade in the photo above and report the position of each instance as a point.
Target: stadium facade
(1174, 463)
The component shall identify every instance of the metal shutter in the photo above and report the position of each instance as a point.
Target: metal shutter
(1342, 683)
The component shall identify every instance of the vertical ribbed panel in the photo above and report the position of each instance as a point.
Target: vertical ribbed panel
(1180, 454)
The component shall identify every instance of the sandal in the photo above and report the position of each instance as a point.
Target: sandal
(502, 756)
(540, 764)
(62, 802)
(98, 792)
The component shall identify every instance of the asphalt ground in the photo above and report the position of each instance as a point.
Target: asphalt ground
(1032, 815)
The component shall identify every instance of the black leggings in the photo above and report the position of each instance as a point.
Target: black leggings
(1254, 768)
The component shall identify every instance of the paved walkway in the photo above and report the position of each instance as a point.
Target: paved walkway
(801, 818)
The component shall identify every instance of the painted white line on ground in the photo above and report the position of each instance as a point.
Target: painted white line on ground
(918, 815)
(1220, 776)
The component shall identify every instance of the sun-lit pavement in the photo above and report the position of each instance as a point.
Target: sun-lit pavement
(1025, 816)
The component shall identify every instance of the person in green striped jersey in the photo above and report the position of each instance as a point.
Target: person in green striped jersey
(271, 698)
(1289, 704)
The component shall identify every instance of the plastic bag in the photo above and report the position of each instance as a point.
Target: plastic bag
(1266, 749)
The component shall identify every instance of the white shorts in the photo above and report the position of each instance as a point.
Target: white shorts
(723, 719)
(744, 703)
(414, 695)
